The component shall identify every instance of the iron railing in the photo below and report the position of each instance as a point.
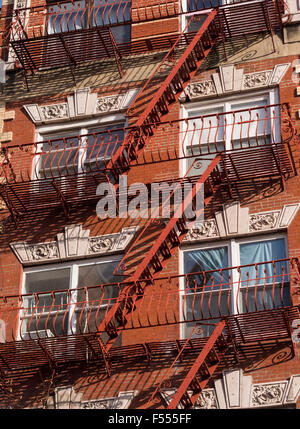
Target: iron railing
(255, 128)
(61, 35)
(182, 299)
(69, 15)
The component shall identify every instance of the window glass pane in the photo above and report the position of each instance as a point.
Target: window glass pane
(114, 12)
(94, 302)
(46, 311)
(205, 137)
(268, 283)
(59, 156)
(207, 260)
(66, 17)
(250, 127)
(207, 296)
(101, 145)
(201, 4)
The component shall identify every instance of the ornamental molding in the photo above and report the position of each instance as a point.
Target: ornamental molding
(234, 390)
(21, 4)
(73, 243)
(228, 79)
(121, 402)
(81, 104)
(69, 398)
(235, 220)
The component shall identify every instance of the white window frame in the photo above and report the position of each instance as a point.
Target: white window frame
(73, 266)
(89, 14)
(271, 95)
(233, 246)
(44, 132)
(184, 18)
(69, 7)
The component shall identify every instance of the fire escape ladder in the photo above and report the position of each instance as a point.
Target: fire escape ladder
(174, 230)
(168, 241)
(202, 369)
(169, 91)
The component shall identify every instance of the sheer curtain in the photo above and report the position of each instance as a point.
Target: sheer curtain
(204, 300)
(250, 127)
(94, 302)
(276, 291)
(205, 138)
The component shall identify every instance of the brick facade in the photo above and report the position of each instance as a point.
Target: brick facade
(270, 362)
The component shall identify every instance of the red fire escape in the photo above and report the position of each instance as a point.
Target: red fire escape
(130, 310)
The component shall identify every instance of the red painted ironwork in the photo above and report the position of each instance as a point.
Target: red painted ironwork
(175, 229)
(166, 243)
(62, 36)
(180, 73)
(252, 143)
(187, 299)
(201, 371)
(67, 15)
(38, 335)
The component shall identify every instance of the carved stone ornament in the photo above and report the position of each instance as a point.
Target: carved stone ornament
(20, 4)
(234, 390)
(207, 399)
(109, 104)
(235, 220)
(229, 79)
(267, 394)
(73, 243)
(68, 398)
(121, 402)
(81, 104)
(54, 111)
(259, 222)
(254, 80)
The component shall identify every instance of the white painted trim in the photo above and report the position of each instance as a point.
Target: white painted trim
(271, 96)
(73, 280)
(233, 246)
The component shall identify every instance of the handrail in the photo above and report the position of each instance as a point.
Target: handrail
(169, 300)
(201, 135)
(108, 13)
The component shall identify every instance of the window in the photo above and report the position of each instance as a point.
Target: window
(58, 304)
(79, 150)
(234, 124)
(197, 11)
(79, 15)
(223, 292)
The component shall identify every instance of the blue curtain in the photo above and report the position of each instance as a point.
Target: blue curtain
(268, 250)
(199, 306)
(205, 260)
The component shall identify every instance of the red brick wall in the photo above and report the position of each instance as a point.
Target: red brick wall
(40, 228)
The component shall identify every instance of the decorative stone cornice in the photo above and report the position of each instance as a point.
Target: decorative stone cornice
(73, 243)
(121, 402)
(235, 390)
(80, 105)
(68, 398)
(229, 80)
(235, 220)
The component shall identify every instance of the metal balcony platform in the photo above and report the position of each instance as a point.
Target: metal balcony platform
(59, 352)
(38, 48)
(253, 144)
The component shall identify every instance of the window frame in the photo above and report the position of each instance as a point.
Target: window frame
(73, 266)
(64, 129)
(233, 245)
(271, 94)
